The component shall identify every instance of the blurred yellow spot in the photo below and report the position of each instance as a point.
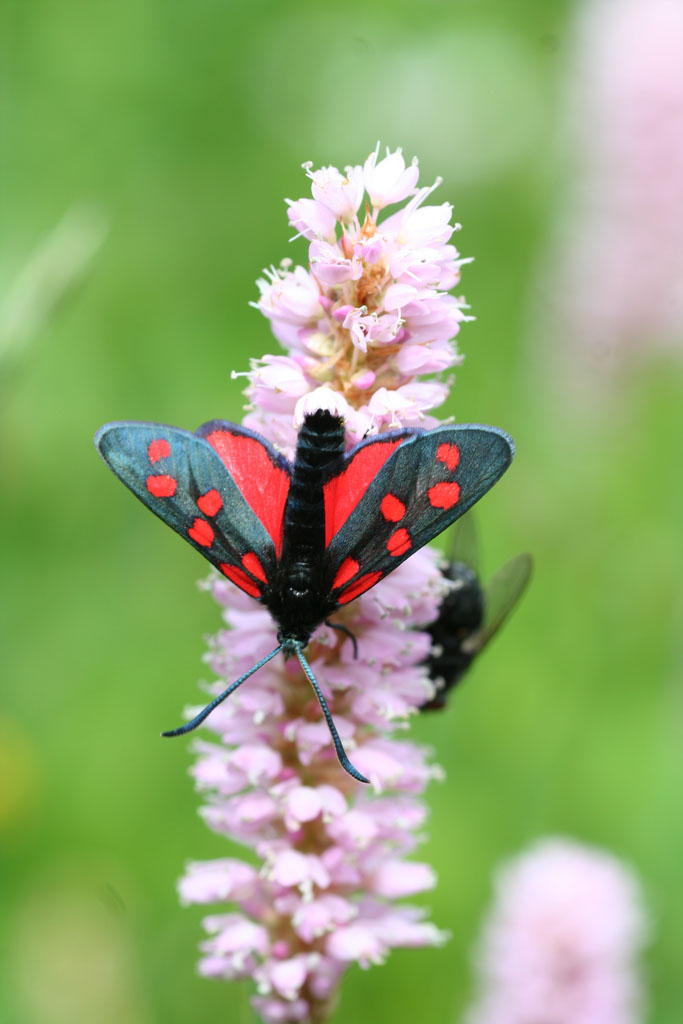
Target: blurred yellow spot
(19, 773)
(73, 955)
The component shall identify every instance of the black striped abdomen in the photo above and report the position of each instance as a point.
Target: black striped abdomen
(320, 444)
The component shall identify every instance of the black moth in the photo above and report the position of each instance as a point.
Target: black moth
(470, 614)
(304, 538)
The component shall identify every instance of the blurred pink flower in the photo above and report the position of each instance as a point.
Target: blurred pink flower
(615, 290)
(561, 940)
(369, 314)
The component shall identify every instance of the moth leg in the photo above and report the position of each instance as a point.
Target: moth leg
(338, 746)
(347, 631)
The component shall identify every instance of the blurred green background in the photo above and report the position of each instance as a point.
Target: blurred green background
(175, 130)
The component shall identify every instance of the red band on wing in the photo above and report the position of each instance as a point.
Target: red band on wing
(263, 485)
(252, 565)
(359, 587)
(346, 571)
(344, 491)
(240, 579)
(162, 486)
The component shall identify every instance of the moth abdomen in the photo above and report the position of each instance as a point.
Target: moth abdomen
(320, 446)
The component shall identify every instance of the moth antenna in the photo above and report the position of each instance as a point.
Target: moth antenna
(338, 745)
(198, 719)
(347, 631)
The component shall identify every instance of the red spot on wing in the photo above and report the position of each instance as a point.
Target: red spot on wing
(159, 449)
(392, 508)
(450, 454)
(359, 587)
(201, 533)
(443, 495)
(162, 486)
(346, 571)
(344, 491)
(252, 565)
(263, 485)
(210, 503)
(240, 578)
(399, 543)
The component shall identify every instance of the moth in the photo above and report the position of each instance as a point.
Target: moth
(306, 537)
(471, 614)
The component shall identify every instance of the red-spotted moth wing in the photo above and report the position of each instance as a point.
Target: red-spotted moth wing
(223, 489)
(395, 493)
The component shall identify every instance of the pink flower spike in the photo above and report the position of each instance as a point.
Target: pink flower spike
(291, 296)
(396, 879)
(274, 1011)
(358, 943)
(364, 380)
(291, 868)
(421, 226)
(389, 181)
(259, 763)
(214, 880)
(370, 251)
(313, 919)
(340, 193)
(236, 936)
(360, 324)
(312, 219)
(414, 359)
(561, 940)
(286, 977)
(329, 265)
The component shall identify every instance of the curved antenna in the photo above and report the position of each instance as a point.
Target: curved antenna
(198, 719)
(338, 745)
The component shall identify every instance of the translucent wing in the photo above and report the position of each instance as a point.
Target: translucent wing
(463, 543)
(500, 596)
